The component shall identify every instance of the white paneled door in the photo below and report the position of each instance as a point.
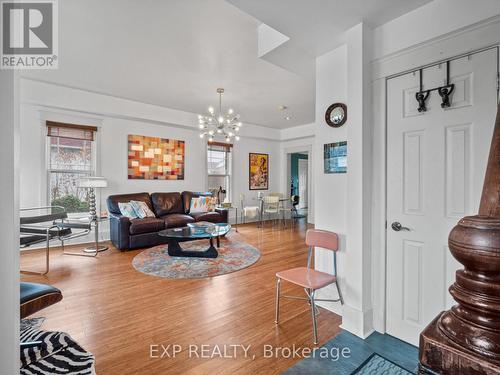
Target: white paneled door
(303, 165)
(436, 162)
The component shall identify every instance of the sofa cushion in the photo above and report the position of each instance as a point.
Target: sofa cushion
(213, 217)
(146, 225)
(113, 201)
(177, 220)
(167, 203)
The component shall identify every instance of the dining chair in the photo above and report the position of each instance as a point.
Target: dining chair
(271, 206)
(310, 279)
(247, 211)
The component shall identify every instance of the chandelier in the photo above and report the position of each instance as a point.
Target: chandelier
(220, 124)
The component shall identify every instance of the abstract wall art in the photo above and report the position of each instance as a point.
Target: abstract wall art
(335, 157)
(258, 171)
(152, 158)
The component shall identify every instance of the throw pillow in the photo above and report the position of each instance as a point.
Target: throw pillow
(127, 210)
(199, 205)
(211, 204)
(141, 209)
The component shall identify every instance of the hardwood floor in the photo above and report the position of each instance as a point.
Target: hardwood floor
(116, 312)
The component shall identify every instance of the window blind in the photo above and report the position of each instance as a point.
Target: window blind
(220, 146)
(72, 131)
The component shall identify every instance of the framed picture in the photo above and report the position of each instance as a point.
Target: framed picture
(335, 157)
(151, 158)
(258, 171)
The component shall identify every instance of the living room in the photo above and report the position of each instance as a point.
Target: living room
(235, 186)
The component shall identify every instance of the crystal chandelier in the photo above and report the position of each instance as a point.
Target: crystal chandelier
(219, 124)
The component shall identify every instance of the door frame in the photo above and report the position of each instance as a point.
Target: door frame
(306, 163)
(479, 38)
(285, 180)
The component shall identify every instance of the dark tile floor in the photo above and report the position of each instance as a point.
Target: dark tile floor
(397, 351)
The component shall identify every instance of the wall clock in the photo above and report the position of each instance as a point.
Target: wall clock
(336, 115)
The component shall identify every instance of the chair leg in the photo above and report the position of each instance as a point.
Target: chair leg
(278, 287)
(340, 293)
(313, 313)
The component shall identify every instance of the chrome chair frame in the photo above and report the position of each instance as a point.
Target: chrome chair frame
(58, 222)
(310, 296)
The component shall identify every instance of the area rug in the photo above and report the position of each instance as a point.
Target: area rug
(58, 353)
(233, 256)
(376, 364)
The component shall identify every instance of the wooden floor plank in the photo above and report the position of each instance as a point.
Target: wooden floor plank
(116, 312)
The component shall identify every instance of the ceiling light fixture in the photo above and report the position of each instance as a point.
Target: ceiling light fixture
(284, 111)
(220, 124)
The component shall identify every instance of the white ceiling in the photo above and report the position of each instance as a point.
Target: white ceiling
(175, 53)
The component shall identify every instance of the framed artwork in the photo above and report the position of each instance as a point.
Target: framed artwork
(335, 157)
(151, 158)
(258, 171)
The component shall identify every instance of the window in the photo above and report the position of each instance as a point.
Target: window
(71, 155)
(219, 166)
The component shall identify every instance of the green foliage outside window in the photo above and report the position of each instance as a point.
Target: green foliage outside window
(71, 204)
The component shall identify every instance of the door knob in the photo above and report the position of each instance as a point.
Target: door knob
(396, 226)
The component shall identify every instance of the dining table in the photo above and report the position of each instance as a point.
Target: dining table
(282, 203)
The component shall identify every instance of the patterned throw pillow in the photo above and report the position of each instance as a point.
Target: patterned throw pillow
(212, 203)
(141, 209)
(127, 210)
(199, 205)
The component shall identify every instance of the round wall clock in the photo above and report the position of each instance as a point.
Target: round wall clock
(336, 115)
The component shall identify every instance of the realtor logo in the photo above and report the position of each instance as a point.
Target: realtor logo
(29, 34)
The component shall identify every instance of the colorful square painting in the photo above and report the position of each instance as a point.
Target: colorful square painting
(335, 157)
(151, 158)
(258, 171)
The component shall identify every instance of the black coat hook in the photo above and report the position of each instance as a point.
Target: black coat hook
(422, 96)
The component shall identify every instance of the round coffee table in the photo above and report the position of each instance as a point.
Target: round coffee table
(177, 235)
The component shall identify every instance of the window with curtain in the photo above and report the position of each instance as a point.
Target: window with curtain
(219, 166)
(71, 155)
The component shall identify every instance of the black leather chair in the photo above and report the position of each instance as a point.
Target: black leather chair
(35, 297)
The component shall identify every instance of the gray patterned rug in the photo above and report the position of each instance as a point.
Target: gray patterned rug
(233, 256)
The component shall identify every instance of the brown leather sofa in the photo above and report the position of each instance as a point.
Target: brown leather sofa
(171, 210)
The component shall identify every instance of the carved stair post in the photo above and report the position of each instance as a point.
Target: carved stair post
(466, 338)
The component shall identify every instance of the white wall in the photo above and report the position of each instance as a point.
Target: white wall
(471, 27)
(435, 19)
(9, 223)
(81, 107)
(330, 190)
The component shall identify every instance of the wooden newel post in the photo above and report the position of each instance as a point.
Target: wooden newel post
(466, 338)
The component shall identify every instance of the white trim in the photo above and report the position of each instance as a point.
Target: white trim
(306, 147)
(57, 93)
(469, 40)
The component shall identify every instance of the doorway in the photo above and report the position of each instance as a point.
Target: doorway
(299, 179)
(436, 161)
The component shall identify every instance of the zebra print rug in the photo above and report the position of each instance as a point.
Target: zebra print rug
(58, 354)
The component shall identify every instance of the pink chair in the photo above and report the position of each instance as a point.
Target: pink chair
(310, 279)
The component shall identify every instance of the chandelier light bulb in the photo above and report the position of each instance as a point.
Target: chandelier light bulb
(219, 123)
(237, 138)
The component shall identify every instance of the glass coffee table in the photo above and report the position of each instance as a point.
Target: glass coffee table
(177, 235)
